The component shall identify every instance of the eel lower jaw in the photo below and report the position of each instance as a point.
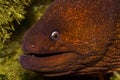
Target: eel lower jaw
(50, 65)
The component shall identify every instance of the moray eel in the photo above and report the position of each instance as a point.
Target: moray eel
(80, 37)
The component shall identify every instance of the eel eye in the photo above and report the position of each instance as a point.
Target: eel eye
(55, 35)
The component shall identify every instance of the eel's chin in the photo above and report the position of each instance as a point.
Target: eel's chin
(55, 65)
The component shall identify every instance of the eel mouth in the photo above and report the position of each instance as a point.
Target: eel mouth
(55, 64)
(45, 55)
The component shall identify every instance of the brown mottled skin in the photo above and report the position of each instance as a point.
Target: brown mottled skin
(87, 42)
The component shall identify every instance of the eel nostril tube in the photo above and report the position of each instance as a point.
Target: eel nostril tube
(33, 46)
